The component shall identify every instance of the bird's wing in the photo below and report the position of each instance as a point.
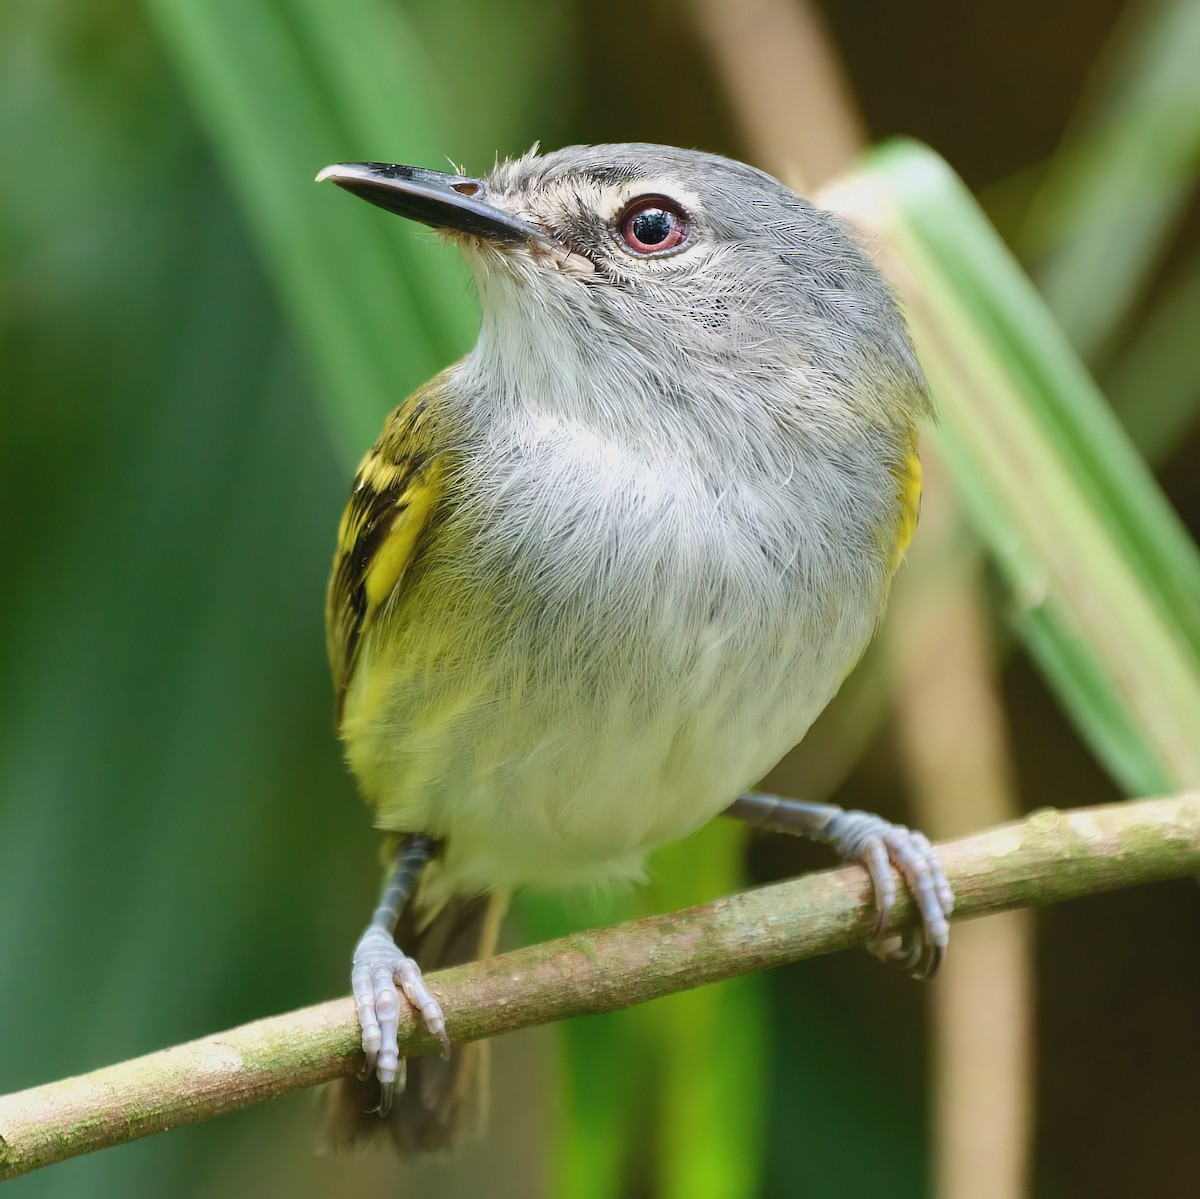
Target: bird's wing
(398, 486)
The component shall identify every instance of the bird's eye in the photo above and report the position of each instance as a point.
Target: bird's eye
(653, 225)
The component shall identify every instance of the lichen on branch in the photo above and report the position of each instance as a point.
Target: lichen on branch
(1048, 857)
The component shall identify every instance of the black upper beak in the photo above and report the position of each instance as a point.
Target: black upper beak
(452, 202)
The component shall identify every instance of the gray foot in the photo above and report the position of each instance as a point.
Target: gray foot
(872, 841)
(376, 969)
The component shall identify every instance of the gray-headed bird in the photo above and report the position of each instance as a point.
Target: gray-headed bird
(596, 578)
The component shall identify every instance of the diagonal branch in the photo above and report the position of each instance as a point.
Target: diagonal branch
(1048, 857)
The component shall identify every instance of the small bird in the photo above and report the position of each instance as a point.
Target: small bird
(596, 578)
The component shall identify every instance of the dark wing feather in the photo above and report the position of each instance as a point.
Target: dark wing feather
(396, 490)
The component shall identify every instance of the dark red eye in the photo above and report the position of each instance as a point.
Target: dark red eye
(653, 225)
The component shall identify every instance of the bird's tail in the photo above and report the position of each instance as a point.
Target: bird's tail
(444, 1102)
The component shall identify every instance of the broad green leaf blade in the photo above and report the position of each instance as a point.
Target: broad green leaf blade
(1155, 381)
(997, 298)
(1117, 188)
(1105, 579)
(286, 89)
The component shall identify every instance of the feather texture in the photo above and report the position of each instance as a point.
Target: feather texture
(396, 491)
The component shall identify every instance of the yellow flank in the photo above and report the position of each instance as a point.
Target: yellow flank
(398, 486)
(909, 476)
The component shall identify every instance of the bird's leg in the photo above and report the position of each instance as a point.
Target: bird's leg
(876, 844)
(379, 965)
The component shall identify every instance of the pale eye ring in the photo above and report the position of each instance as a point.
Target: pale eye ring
(652, 225)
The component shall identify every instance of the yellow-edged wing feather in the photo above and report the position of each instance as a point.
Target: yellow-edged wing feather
(397, 488)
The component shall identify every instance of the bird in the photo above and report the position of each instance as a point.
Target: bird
(597, 577)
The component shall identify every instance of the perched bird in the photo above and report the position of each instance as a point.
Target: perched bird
(596, 578)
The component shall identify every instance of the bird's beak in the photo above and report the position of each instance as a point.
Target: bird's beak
(451, 202)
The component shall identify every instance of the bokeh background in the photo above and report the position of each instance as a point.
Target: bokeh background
(197, 344)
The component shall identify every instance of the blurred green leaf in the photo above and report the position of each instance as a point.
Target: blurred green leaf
(1105, 579)
(1155, 381)
(655, 1082)
(161, 756)
(709, 1044)
(166, 767)
(845, 1112)
(285, 88)
(605, 1063)
(1115, 191)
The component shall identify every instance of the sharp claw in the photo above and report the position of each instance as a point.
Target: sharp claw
(915, 960)
(378, 966)
(914, 955)
(875, 843)
(933, 963)
(370, 1061)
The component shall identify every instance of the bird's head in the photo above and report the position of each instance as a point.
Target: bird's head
(670, 263)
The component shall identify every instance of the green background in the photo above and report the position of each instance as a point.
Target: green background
(196, 345)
